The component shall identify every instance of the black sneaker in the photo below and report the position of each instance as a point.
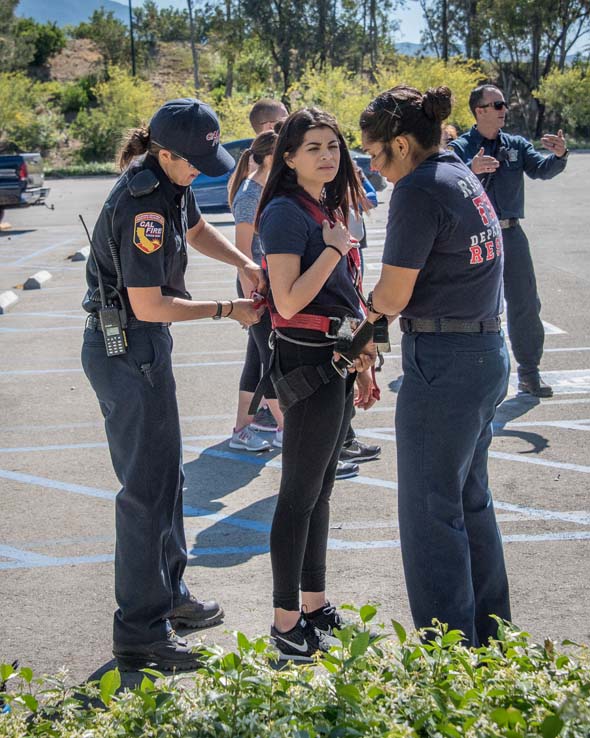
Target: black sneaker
(532, 384)
(300, 643)
(171, 654)
(325, 620)
(346, 470)
(194, 613)
(358, 452)
(264, 421)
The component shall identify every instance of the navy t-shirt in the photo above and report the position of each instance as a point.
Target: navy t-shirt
(442, 222)
(287, 228)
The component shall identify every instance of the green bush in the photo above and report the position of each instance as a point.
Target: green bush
(27, 122)
(46, 39)
(366, 686)
(123, 102)
(567, 93)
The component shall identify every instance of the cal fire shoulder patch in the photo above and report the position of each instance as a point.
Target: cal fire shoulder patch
(148, 232)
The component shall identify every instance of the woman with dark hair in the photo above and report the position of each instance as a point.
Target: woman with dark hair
(302, 221)
(136, 275)
(243, 195)
(442, 272)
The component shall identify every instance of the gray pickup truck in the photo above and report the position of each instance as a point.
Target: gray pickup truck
(22, 181)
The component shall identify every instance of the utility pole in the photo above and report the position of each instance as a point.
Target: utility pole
(193, 45)
(132, 40)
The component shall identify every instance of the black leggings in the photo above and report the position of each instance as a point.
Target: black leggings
(257, 353)
(313, 434)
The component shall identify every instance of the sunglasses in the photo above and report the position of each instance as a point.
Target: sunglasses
(497, 105)
(176, 154)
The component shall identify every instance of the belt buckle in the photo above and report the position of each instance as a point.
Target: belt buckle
(333, 329)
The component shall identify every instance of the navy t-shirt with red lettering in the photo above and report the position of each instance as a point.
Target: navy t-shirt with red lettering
(442, 222)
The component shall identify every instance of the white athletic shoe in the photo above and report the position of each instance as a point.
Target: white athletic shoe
(277, 441)
(246, 440)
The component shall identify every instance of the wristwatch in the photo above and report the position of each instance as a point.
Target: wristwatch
(219, 310)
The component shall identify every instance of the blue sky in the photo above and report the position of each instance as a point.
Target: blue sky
(411, 17)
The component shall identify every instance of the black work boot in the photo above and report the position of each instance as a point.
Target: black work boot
(171, 654)
(532, 384)
(195, 613)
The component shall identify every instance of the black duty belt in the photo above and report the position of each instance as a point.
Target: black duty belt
(449, 325)
(508, 223)
(93, 322)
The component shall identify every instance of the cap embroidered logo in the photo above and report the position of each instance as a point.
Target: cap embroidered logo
(213, 137)
(148, 232)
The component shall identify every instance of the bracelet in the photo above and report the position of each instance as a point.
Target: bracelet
(231, 308)
(217, 315)
(330, 246)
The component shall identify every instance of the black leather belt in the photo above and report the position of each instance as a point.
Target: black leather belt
(93, 322)
(449, 325)
(508, 223)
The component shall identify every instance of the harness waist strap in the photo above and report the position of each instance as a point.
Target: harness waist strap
(321, 323)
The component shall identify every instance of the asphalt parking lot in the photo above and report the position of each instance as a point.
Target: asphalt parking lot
(57, 485)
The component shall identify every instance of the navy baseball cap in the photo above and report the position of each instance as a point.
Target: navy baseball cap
(190, 128)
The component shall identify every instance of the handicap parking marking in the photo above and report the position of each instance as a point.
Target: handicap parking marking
(566, 382)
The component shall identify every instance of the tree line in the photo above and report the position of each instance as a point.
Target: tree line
(237, 50)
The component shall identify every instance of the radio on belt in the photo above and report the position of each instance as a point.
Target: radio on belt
(109, 314)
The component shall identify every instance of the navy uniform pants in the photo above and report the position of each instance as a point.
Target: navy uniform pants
(451, 547)
(137, 397)
(522, 300)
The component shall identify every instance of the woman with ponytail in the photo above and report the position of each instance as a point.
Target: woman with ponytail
(442, 272)
(135, 277)
(244, 191)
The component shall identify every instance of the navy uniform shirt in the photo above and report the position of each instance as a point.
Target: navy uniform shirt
(150, 232)
(505, 187)
(442, 223)
(286, 227)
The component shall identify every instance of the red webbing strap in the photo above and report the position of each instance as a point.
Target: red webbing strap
(302, 320)
(353, 257)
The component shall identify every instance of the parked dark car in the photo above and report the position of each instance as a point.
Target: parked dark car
(211, 192)
(364, 162)
(22, 181)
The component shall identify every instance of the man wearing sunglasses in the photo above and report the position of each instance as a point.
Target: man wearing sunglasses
(500, 160)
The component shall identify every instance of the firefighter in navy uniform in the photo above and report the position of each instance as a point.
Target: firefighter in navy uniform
(140, 246)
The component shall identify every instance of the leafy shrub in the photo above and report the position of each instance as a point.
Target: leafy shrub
(366, 686)
(567, 93)
(123, 102)
(460, 75)
(75, 96)
(337, 91)
(26, 121)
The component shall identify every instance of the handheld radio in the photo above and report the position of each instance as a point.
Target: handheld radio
(109, 314)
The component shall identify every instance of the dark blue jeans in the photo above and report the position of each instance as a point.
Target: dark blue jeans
(451, 547)
(525, 328)
(137, 397)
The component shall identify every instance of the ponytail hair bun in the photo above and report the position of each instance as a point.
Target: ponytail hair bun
(437, 103)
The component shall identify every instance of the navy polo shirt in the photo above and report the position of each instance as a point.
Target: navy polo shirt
(505, 187)
(150, 233)
(442, 223)
(287, 228)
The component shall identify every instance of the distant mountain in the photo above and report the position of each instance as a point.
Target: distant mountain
(410, 49)
(68, 12)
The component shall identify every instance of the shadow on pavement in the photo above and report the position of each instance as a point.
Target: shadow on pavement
(514, 408)
(240, 536)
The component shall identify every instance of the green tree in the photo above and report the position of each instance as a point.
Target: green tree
(109, 34)
(46, 39)
(15, 52)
